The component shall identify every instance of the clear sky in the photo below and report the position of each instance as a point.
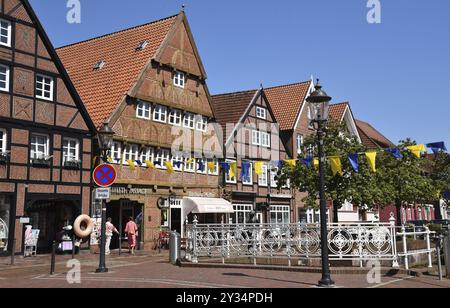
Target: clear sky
(396, 74)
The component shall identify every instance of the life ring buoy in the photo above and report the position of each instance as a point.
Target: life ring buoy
(83, 226)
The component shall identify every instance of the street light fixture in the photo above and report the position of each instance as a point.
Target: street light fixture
(319, 103)
(105, 141)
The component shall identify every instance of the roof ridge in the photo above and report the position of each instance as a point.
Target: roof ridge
(117, 32)
(238, 92)
(342, 103)
(289, 84)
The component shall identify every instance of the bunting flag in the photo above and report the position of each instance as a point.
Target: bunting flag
(149, 164)
(447, 195)
(211, 166)
(233, 170)
(372, 160)
(316, 163)
(395, 152)
(307, 161)
(225, 167)
(354, 161)
(110, 160)
(336, 165)
(201, 165)
(417, 149)
(291, 162)
(131, 164)
(245, 170)
(259, 168)
(189, 161)
(178, 164)
(158, 163)
(436, 147)
(139, 163)
(169, 167)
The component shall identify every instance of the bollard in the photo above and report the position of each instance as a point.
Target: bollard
(13, 251)
(52, 265)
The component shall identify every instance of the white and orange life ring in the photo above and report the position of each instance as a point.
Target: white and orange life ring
(83, 226)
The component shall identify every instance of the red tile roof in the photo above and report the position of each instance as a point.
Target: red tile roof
(287, 101)
(230, 107)
(372, 138)
(337, 111)
(102, 90)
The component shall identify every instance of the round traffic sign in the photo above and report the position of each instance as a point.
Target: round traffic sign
(104, 175)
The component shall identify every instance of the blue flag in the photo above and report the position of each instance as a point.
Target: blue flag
(354, 161)
(436, 147)
(138, 162)
(395, 152)
(245, 172)
(307, 161)
(225, 167)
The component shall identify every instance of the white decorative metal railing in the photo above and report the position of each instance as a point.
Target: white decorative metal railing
(357, 241)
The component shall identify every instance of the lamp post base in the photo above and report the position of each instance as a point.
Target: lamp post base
(326, 283)
(101, 270)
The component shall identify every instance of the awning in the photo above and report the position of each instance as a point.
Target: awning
(206, 206)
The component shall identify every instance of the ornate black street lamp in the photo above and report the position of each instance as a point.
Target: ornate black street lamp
(319, 104)
(105, 141)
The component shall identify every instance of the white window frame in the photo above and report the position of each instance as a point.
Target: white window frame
(229, 180)
(162, 156)
(44, 84)
(273, 174)
(245, 209)
(249, 183)
(175, 117)
(7, 77)
(300, 140)
(189, 120)
(179, 79)
(264, 139)
(261, 113)
(263, 177)
(34, 153)
(160, 114)
(256, 137)
(147, 153)
(189, 167)
(216, 167)
(280, 210)
(3, 140)
(144, 110)
(116, 149)
(67, 157)
(131, 152)
(8, 35)
(201, 123)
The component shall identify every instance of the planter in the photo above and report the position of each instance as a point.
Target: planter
(41, 163)
(72, 165)
(3, 159)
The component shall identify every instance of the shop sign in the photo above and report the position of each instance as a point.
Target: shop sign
(130, 191)
(103, 193)
(24, 220)
(202, 195)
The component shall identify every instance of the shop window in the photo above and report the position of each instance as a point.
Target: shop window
(5, 212)
(143, 110)
(175, 117)
(44, 87)
(242, 213)
(179, 79)
(160, 114)
(5, 33)
(4, 78)
(165, 218)
(280, 214)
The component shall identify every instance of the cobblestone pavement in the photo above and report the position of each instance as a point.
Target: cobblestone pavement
(153, 271)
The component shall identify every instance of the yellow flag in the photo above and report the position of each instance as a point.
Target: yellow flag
(336, 165)
(372, 160)
(417, 149)
(259, 168)
(131, 164)
(211, 166)
(189, 161)
(233, 170)
(169, 167)
(110, 160)
(94, 160)
(149, 164)
(291, 162)
(316, 163)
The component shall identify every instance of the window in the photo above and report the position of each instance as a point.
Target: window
(262, 179)
(299, 144)
(189, 120)
(177, 161)
(189, 164)
(201, 165)
(71, 150)
(256, 138)
(265, 139)
(242, 213)
(116, 152)
(39, 146)
(216, 167)
(5, 33)
(162, 157)
(261, 113)
(147, 154)
(160, 114)
(2, 141)
(131, 152)
(4, 78)
(228, 179)
(175, 117)
(44, 87)
(201, 123)
(179, 79)
(143, 111)
(249, 179)
(280, 214)
(273, 174)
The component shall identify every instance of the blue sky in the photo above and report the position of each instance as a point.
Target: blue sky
(396, 74)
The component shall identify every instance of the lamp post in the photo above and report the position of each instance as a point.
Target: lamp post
(105, 140)
(319, 103)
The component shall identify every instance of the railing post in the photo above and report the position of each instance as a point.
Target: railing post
(194, 238)
(430, 260)
(394, 242)
(405, 247)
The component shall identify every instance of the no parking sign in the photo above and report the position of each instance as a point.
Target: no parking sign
(104, 175)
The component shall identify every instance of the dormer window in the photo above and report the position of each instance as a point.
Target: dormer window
(261, 113)
(99, 65)
(142, 46)
(179, 79)
(5, 33)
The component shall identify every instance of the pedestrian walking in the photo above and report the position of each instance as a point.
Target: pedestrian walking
(110, 230)
(131, 230)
